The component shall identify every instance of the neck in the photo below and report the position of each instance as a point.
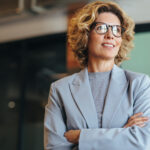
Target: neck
(100, 65)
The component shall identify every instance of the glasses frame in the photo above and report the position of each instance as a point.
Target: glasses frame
(108, 26)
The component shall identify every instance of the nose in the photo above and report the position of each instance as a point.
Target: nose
(109, 34)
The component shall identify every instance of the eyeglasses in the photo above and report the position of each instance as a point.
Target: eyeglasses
(102, 28)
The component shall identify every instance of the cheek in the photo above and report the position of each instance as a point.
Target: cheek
(93, 41)
(119, 45)
(119, 42)
(95, 38)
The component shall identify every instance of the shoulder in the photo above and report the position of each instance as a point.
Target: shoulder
(128, 75)
(138, 83)
(64, 81)
(133, 76)
(137, 79)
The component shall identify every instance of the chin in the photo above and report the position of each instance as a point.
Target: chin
(108, 56)
(104, 56)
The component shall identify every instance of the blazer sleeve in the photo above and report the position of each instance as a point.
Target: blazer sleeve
(131, 138)
(54, 124)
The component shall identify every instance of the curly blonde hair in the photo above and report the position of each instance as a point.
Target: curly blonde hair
(79, 28)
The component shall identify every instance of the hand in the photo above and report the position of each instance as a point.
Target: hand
(136, 119)
(72, 136)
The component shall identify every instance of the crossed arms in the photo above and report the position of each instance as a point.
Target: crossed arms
(133, 136)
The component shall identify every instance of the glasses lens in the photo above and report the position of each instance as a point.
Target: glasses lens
(101, 28)
(117, 30)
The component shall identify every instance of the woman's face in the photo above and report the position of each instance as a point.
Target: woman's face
(104, 46)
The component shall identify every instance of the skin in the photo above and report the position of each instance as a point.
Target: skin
(101, 59)
(136, 119)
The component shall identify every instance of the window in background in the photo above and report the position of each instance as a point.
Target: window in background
(140, 55)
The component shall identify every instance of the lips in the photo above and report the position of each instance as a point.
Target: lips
(108, 44)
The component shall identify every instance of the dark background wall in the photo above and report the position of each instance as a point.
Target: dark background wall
(27, 68)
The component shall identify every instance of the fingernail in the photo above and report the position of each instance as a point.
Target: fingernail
(143, 125)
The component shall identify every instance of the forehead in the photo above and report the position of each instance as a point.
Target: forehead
(109, 18)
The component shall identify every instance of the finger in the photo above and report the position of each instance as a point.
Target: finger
(136, 115)
(141, 125)
(139, 118)
(67, 134)
(139, 122)
(128, 125)
(145, 119)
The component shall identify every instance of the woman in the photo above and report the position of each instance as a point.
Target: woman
(102, 107)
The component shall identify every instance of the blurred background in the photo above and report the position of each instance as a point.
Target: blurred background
(34, 53)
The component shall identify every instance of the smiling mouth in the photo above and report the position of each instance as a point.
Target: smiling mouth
(108, 45)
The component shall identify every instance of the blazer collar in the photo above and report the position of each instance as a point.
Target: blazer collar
(117, 88)
(81, 91)
(82, 95)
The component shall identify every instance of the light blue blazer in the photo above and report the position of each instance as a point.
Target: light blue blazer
(71, 106)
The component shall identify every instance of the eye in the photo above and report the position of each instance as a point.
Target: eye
(101, 28)
(117, 29)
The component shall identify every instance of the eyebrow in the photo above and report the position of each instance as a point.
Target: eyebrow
(96, 22)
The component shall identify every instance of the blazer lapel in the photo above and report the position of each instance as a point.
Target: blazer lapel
(117, 88)
(81, 91)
